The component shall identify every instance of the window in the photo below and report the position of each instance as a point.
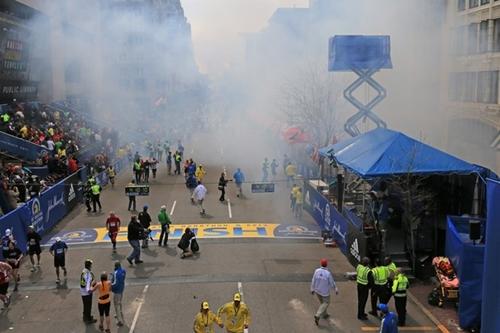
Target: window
(484, 2)
(473, 3)
(459, 40)
(472, 38)
(487, 87)
(483, 37)
(496, 35)
(469, 93)
(461, 5)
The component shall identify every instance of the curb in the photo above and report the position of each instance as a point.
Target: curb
(436, 322)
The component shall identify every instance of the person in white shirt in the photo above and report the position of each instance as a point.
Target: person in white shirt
(199, 194)
(321, 284)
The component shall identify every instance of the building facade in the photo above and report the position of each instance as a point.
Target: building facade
(472, 91)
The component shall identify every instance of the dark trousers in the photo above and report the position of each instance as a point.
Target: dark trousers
(137, 176)
(164, 233)
(87, 203)
(362, 298)
(96, 201)
(401, 309)
(154, 173)
(131, 202)
(87, 307)
(177, 168)
(381, 294)
(222, 194)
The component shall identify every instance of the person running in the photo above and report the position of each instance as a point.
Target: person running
(239, 179)
(5, 273)
(321, 284)
(274, 166)
(145, 220)
(222, 187)
(33, 239)
(58, 251)
(205, 319)
(265, 170)
(113, 227)
(117, 287)
(234, 316)
(131, 198)
(111, 175)
(13, 258)
(154, 166)
(200, 173)
(104, 301)
(199, 195)
(169, 163)
(191, 184)
(134, 235)
(86, 284)
(165, 222)
(185, 243)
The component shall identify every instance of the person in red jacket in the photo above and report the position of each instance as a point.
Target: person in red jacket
(72, 165)
(113, 227)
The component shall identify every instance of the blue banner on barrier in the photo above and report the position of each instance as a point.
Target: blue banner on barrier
(18, 227)
(326, 215)
(48, 209)
(19, 147)
(490, 321)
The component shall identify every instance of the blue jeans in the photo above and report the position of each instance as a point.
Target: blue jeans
(136, 250)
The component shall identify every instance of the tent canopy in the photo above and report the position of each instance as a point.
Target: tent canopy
(383, 152)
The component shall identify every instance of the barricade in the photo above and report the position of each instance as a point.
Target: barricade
(20, 147)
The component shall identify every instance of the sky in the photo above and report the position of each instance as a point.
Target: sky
(217, 27)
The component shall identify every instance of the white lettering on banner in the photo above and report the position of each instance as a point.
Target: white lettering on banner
(37, 215)
(308, 199)
(336, 228)
(18, 89)
(71, 194)
(355, 250)
(318, 208)
(327, 218)
(54, 203)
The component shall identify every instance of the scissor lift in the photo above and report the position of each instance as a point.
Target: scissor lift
(365, 56)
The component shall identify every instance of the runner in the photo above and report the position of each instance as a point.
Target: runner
(103, 301)
(58, 250)
(113, 226)
(13, 258)
(111, 175)
(33, 239)
(199, 194)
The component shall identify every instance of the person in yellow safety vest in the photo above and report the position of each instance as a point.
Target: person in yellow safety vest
(293, 196)
(5, 118)
(205, 319)
(364, 280)
(399, 288)
(299, 201)
(86, 284)
(237, 315)
(379, 290)
(200, 173)
(137, 171)
(291, 172)
(391, 266)
(96, 194)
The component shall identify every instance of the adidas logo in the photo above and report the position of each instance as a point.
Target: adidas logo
(355, 250)
(71, 194)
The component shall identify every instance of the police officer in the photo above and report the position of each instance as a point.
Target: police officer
(364, 280)
(137, 170)
(87, 281)
(391, 266)
(96, 194)
(131, 198)
(399, 288)
(379, 289)
(145, 220)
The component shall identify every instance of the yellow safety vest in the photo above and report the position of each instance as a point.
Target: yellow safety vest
(400, 285)
(137, 166)
(362, 274)
(380, 275)
(96, 189)
(392, 269)
(83, 282)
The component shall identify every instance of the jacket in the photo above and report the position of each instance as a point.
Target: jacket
(118, 281)
(163, 218)
(205, 324)
(389, 323)
(135, 231)
(235, 320)
(145, 219)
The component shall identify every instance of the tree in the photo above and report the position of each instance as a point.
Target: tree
(308, 101)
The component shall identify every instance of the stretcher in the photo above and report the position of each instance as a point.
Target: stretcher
(448, 280)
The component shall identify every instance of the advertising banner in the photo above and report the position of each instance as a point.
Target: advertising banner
(356, 244)
(23, 90)
(18, 227)
(19, 147)
(73, 191)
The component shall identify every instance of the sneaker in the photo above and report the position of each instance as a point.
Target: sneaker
(32, 269)
(316, 320)
(38, 265)
(58, 281)
(130, 261)
(139, 261)
(101, 328)
(7, 302)
(119, 324)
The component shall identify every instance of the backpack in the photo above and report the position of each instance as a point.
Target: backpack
(194, 246)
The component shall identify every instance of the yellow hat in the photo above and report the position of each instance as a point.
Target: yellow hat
(237, 297)
(205, 306)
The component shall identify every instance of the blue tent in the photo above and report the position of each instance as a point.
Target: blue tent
(383, 152)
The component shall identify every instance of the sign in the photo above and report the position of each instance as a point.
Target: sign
(26, 90)
(142, 190)
(19, 147)
(356, 244)
(263, 188)
(73, 190)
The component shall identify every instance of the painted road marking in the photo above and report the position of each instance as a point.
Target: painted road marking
(212, 230)
(404, 328)
(436, 322)
(141, 302)
(173, 208)
(229, 208)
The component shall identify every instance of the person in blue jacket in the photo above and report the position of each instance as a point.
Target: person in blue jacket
(239, 179)
(389, 322)
(117, 287)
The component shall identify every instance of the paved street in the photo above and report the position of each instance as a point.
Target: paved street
(164, 293)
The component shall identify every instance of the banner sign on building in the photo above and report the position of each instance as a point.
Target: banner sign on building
(24, 90)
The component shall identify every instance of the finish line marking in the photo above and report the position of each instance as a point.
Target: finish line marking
(229, 209)
(404, 328)
(173, 208)
(141, 301)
